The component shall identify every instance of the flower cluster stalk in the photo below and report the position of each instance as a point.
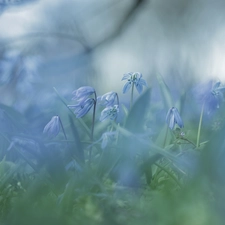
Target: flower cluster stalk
(132, 95)
(93, 126)
(200, 126)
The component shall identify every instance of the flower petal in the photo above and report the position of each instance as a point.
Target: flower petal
(52, 128)
(142, 82)
(126, 87)
(127, 76)
(139, 87)
(83, 92)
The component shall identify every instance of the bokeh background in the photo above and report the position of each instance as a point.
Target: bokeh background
(66, 44)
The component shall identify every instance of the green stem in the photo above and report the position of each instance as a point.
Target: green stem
(117, 98)
(164, 143)
(93, 126)
(118, 103)
(60, 121)
(185, 139)
(200, 126)
(170, 174)
(132, 95)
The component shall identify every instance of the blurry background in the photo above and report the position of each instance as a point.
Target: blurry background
(69, 43)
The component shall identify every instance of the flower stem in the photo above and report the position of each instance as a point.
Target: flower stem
(200, 126)
(132, 95)
(93, 126)
(117, 98)
(165, 138)
(60, 121)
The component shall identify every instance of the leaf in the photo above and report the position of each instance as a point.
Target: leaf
(136, 117)
(164, 137)
(146, 166)
(78, 151)
(166, 95)
(124, 108)
(11, 169)
(79, 119)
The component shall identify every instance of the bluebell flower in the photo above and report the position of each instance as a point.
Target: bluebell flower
(210, 94)
(83, 107)
(133, 78)
(83, 93)
(106, 138)
(107, 99)
(173, 117)
(84, 102)
(52, 128)
(110, 112)
(24, 143)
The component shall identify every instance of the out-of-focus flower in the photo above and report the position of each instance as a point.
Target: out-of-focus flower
(106, 138)
(26, 143)
(84, 102)
(210, 94)
(82, 108)
(217, 89)
(133, 78)
(110, 112)
(107, 99)
(52, 128)
(173, 117)
(83, 93)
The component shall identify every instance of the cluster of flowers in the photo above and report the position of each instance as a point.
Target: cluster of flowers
(86, 98)
(210, 95)
(85, 101)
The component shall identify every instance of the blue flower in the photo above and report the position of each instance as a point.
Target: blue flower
(133, 78)
(106, 138)
(173, 117)
(83, 93)
(83, 107)
(52, 128)
(209, 94)
(84, 102)
(107, 99)
(110, 112)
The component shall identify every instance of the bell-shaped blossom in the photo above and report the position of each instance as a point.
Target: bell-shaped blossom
(133, 78)
(107, 99)
(173, 117)
(106, 138)
(83, 93)
(84, 102)
(110, 112)
(52, 128)
(83, 107)
(210, 94)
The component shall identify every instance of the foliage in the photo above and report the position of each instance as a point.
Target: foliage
(114, 171)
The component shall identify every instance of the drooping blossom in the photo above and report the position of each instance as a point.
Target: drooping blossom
(173, 118)
(209, 94)
(82, 108)
(107, 99)
(83, 93)
(84, 100)
(106, 138)
(52, 128)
